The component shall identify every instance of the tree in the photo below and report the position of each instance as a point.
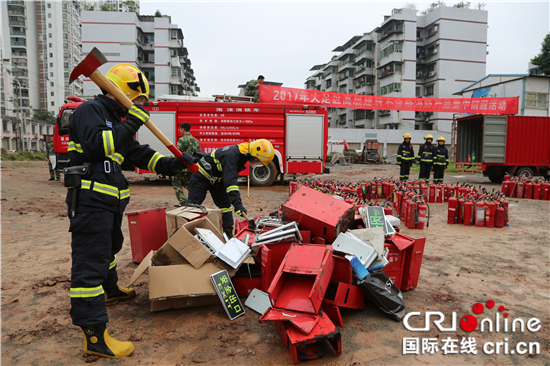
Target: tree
(462, 4)
(131, 6)
(542, 60)
(43, 115)
(481, 6)
(434, 6)
(158, 13)
(411, 6)
(107, 7)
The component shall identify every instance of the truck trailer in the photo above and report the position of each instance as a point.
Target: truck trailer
(517, 145)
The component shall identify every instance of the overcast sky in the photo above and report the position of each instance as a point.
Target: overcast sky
(230, 43)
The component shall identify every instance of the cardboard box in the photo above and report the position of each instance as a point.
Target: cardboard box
(182, 215)
(179, 272)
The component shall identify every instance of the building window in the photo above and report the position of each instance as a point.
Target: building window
(51, 74)
(430, 90)
(51, 83)
(49, 25)
(49, 35)
(33, 128)
(52, 94)
(5, 125)
(53, 104)
(51, 64)
(393, 87)
(536, 100)
(51, 54)
(51, 45)
(41, 129)
(49, 6)
(174, 34)
(49, 15)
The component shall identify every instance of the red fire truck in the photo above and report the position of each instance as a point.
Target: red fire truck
(61, 132)
(299, 133)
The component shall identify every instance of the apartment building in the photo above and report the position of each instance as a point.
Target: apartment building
(40, 46)
(151, 43)
(408, 55)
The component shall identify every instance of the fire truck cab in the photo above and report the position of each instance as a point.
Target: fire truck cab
(61, 131)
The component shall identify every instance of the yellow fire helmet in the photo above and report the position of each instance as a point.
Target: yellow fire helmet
(263, 150)
(429, 137)
(407, 136)
(441, 139)
(130, 80)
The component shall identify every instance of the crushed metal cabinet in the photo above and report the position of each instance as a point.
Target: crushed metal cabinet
(405, 259)
(300, 346)
(324, 215)
(333, 313)
(303, 277)
(342, 270)
(302, 321)
(272, 257)
(345, 296)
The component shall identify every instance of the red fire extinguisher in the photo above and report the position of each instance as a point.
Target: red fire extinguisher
(439, 194)
(451, 212)
(490, 211)
(292, 187)
(528, 189)
(404, 209)
(424, 190)
(411, 214)
(373, 190)
(499, 217)
(480, 213)
(506, 176)
(431, 196)
(468, 212)
(460, 211)
(513, 189)
(388, 210)
(506, 212)
(463, 192)
(359, 191)
(456, 190)
(520, 190)
(397, 203)
(545, 191)
(536, 190)
(504, 189)
(379, 190)
(391, 188)
(366, 191)
(423, 211)
(447, 193)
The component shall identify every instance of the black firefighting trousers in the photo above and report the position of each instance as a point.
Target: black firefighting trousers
(199, 185)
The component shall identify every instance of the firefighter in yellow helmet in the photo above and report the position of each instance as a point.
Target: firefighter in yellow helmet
(218, 174)
(99, 142)
(426, 156)
(405, 157)
(441, 160)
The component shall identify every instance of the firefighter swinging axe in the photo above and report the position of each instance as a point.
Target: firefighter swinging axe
(89, 68)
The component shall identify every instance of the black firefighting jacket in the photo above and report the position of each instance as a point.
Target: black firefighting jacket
(97, 136)
(405, 153)
(226, 163)
(441, 156)
(426, 153)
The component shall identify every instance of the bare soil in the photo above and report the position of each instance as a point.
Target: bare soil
(462, 266)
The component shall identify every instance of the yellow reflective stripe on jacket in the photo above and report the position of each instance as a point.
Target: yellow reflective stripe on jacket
(138, 113)
(113, 263)
(87, 291)
(117, 158)
(108, 142)
(153, 162)
(207, 176)
(232, 188)
(105, 189)
(216, 161)
(73, 146)
(228, 209)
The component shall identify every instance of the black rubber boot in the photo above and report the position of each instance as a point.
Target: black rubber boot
(97, 341)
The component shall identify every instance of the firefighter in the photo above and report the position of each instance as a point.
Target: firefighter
(99, 142)
(426, 157)
(218, 173)
(441, 160)
(253, 88)
(189, 144)
(405, 157)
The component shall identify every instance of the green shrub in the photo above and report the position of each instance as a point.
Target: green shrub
(24, 156)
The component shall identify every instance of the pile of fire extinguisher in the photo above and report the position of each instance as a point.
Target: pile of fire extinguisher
(521, 187)
(478, 207)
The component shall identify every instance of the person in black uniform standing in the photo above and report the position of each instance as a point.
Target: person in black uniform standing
(426, 157)
(405, 157)
(99, 142)
(218, 174)
(441, 160)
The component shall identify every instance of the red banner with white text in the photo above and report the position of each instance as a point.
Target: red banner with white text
(282, 95)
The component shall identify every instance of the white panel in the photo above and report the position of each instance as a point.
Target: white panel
(166, 122)
(304, 136)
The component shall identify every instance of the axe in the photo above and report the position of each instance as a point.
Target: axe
(89, 68)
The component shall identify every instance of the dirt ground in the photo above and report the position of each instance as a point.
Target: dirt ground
(462, 266)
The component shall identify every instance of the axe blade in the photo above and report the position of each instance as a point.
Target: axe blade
(91, 62)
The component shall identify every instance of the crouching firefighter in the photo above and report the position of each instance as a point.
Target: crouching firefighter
(218, 174)
(99, 142)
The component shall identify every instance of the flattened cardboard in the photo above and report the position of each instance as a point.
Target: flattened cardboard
(181, 280)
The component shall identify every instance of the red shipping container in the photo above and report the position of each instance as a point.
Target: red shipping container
(302, 278)
(324, 215)
(147, 231)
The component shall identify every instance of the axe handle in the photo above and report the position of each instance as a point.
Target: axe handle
(101, 80)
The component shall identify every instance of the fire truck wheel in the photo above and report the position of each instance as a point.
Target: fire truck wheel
(262, 176)
(524, 172)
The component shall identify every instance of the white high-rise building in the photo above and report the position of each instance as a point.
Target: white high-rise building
(151, 43)
(40, 47)
(427, 56)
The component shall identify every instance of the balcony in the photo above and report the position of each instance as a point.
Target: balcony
(18, 33)
(175, 62)
(16, 12)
